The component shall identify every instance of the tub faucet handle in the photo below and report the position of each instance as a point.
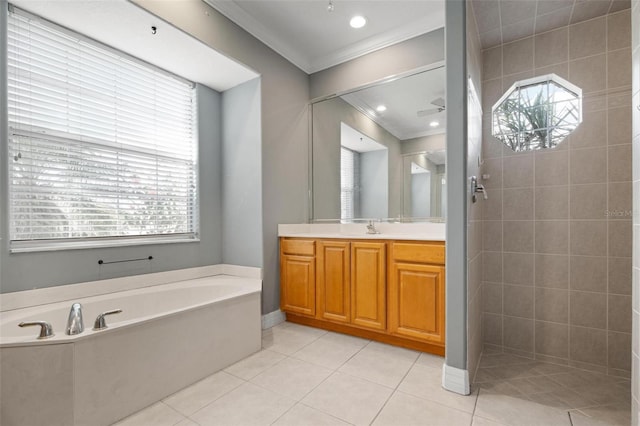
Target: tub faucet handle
(45, 328)
(75, 325)
(100, 322)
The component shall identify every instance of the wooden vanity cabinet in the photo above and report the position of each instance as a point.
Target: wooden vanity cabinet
(298, 277)
(368, 285)
(416, 291)
(390, 291)
(333, 281)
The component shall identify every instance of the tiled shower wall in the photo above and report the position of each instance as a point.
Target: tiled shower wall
(635, 374)
(556, 232)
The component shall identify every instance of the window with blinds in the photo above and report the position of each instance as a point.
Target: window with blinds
(101, 146)
(349, 183)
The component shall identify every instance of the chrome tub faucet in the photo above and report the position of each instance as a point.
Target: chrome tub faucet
(75, 325)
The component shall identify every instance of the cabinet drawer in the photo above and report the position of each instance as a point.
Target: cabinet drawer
(418, 252)
(301, 247)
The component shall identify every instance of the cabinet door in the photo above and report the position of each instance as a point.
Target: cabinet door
(333, 281)
(297, 283)
(368, 285)
(416, 301)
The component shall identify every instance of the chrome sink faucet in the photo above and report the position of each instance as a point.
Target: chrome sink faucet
(371, 228)
(75, 325)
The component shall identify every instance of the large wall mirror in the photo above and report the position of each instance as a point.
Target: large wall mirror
(379, 152)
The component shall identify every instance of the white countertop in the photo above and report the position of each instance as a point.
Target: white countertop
(424, 231)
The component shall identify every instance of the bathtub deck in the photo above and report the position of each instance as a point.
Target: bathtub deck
(306, 376)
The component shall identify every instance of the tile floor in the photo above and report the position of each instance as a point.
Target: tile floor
(307, 377)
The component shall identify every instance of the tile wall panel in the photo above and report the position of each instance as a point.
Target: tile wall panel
(557, 226)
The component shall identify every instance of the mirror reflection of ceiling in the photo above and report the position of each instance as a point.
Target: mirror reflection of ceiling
(413, 104)
(312, 38)
(356, 141)
(503, 21)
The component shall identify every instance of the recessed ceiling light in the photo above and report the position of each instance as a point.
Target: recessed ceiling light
(381, 108)
(358, 21)
(434, 124)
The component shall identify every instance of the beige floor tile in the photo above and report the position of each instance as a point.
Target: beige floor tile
(301, 414)
(507, 372)
(614, 414)
(349, 398)
(604, 393)
(250, 367)
(563, 399)
(548, 368)
(331, 350)
(425, 382)
(498, 387)
(531, 385)
(247, 405)
(479, 421)
(187, 422)
(407, 410)
(292, 377)
(500, 360)
(158, 414)
(379, 363)
(430, 360)
(580, 419)
(290, 338)
(191, 399)
(516, 411)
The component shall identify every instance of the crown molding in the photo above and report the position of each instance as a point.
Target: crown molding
(236, 14)
(311, 65)
(371, 44)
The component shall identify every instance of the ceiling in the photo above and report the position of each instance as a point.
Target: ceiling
(312, 38)
(502, 21)
(126, 27)
(404, 98)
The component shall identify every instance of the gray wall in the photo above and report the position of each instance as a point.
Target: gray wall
(456, 226)
(24, 271)
(421, 194)
(374, 184)
(241, 173)
(423, 144)
(635, 373)
(435, 190)
(327, 116)
(474, 212)
(284, 104)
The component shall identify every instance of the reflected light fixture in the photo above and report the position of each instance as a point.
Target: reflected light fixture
(330, 7)
(434, 124)
(358, 21)
(381, 108)
(537, 113)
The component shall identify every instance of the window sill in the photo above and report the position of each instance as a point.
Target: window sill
(40, 246)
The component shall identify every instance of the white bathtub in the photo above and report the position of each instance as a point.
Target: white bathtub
(167, 337)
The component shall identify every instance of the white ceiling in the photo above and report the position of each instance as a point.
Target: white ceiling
(312, 38)
(126, 27)
(404, 98)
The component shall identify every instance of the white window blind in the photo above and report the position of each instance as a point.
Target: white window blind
(101, 146)
(349, 183)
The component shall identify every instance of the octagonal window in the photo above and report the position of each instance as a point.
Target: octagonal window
(537, 113)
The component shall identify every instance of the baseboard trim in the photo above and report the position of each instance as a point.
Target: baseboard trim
(272, 319)
(455, 379)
